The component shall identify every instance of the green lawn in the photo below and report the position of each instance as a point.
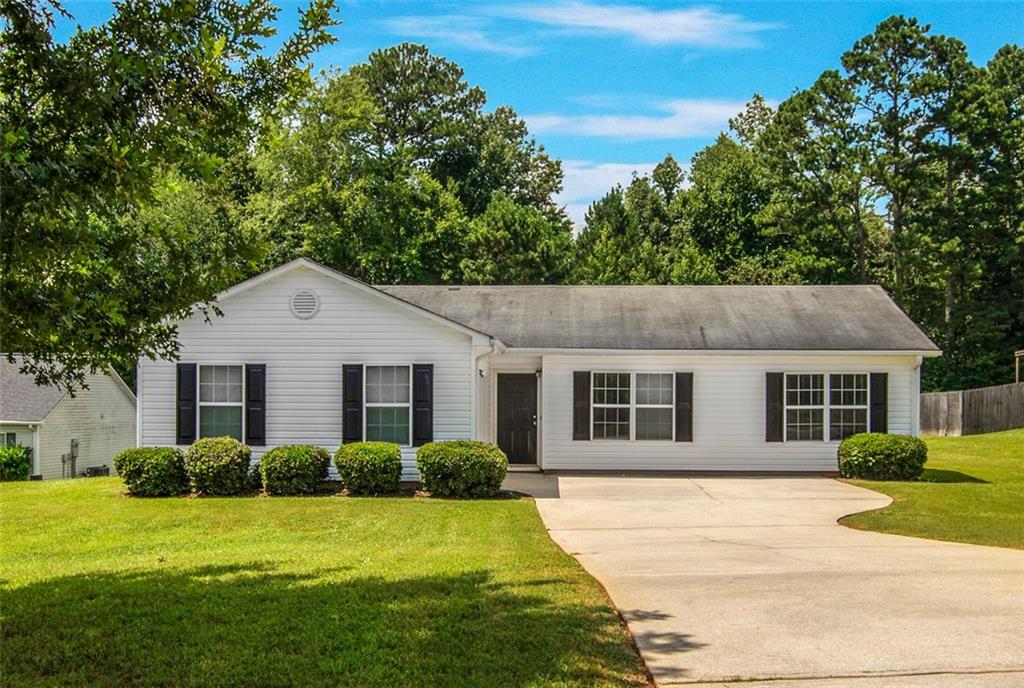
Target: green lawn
(972, 490)
(99, 589)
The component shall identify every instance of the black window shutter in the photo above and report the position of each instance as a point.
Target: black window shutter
(186, 414)
(352, 403)
(879, 413)
(773, 407)
(684, 407)
(581, 405)
(256, 405)
(422, 404)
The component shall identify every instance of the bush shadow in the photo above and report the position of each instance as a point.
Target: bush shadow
(250, 624)
(941, 475)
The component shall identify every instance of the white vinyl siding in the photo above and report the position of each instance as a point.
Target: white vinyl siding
(728, 412)
(304, 359)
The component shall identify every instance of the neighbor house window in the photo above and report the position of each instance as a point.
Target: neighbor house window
(611, 406)
(10, 439)
(220, 401)
(388, 403)
(805, 406)
(654, 406)
(847, 404)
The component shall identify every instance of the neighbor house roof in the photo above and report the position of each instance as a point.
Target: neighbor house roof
(21, 399)
(771, 318)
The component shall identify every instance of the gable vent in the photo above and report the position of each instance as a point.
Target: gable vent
(305, 303)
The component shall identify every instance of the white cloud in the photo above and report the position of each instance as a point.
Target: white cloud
(586, 181)
(465, 31)
(683, 118)
(696, 26)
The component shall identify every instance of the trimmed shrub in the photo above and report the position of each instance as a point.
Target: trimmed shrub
(293, 469)
(152, 471)
(369, 468)
(218, 466)
(15, 463)
(461, 468)
(878, 456)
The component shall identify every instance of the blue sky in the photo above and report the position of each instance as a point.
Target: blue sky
(612, 87)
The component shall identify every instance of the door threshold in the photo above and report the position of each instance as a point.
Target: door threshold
(513, 468)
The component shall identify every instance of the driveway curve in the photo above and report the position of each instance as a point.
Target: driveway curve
(752, 581)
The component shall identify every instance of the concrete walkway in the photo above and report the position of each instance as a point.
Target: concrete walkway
(752, 580)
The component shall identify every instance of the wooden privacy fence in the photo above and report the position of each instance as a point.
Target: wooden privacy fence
(973, 411)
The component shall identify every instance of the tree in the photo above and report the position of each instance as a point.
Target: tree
(93, 131)
(379, 172)
(515, 244)
(729, 189)
(431, 119)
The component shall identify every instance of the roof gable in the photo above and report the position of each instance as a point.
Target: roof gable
(374, 291)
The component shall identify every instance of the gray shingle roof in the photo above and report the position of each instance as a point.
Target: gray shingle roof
(781, 318)
(20, 398)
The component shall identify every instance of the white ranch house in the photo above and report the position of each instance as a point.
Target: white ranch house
(563, 378)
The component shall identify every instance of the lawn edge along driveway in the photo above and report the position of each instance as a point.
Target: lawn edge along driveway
(972, 491)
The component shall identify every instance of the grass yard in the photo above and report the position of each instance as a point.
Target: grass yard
(972, 490)
(99, 589)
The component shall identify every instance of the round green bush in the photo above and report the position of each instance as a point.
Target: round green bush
(15, 463)
(878, 456)
(218, 466)
(369, 468)
(293, 469)
(461, 468)
(152, 471)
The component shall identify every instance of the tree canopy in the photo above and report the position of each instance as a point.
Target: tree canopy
(151, 161)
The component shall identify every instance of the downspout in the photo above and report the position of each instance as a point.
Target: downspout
(35, 447)
(495, 347)
(915, 394)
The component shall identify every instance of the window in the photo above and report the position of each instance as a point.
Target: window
(10, 439)
(847, 404)
(642, 403)
(220, 401)
(611, 406)
(654, 406)
(805, 407)
(388, 403)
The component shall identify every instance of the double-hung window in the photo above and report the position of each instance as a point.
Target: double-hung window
(805, 406)
(388, 406)
(220, 401)
(847, 404)
(611, 406)
(633, 406)
(654, 406)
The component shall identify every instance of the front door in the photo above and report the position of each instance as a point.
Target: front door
(517, 417)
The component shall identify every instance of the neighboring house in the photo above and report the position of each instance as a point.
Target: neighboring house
(101, 419)
(637, 378)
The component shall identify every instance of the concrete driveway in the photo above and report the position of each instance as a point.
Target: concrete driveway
(751, 580)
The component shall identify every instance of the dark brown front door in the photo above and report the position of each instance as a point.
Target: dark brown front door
(517, 417)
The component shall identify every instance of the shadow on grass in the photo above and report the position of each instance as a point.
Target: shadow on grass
(940, 475)
(251, 625)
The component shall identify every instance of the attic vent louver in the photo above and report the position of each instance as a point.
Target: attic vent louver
(305, 303)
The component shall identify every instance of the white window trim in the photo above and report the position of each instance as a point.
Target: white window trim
(390, 404)
(826, 406)
(866, 406)
(200, 404)
(632, 405)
